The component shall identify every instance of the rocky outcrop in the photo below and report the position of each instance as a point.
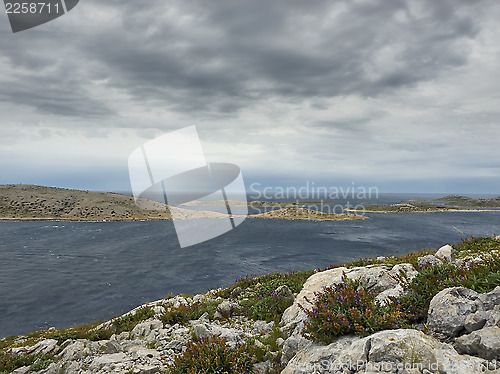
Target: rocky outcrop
(449, 309)
(470, 318)
(393, 351)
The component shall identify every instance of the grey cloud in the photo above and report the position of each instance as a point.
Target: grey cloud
(234, 55)
(216, 58)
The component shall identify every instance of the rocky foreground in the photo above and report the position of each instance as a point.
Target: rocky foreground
(460, 333)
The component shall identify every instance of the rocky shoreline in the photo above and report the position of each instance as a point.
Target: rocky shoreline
(460, 334)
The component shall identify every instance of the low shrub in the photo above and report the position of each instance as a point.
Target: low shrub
(10, 362)
(212, 356)
(128, 322)
(474, 246)
(184, 313)
(348, 308)
(481, 277)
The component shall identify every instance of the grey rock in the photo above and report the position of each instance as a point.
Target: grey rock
(111, 346)
(78, 349)
(175, 345)
(405, 271)
(493, 317)
(291, 346)
(259, 344)
(236, 293)
(22, 370)
(279, 342)
(385, 351)
(53, 368)
(100, 362)
(314, 358)
(376, 279)
(446, 253)
(199, 298)
(146, 330)
(314, 284)
(449, 309)
(72, 367)
(260, 327)
(263, 367)
(203, 330)
(146, 369)
(428, 260)
(43, 347)
(490, 300)
(386, 296)
(143, 353)
(483, 343)
(231, 335)
(225, 309)
(476, 321)
(283, 292)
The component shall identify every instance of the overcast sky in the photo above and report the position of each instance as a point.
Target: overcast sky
(401, 95)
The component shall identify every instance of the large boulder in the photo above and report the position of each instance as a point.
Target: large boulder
(472, 318)
(401, 351)
(224, 310)
(484, 343)
(446, 253)
(148, 330)
(489, 300)
(428, 260)
(449, 309)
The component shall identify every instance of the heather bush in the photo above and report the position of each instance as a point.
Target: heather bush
(212, 356)
(348, 308)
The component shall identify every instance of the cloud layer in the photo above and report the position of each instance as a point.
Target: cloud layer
(383, 92)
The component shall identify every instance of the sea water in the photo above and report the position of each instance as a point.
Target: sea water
(61, 273)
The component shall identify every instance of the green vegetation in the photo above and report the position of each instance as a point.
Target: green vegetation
(348, 308)
(10, 362)
(260, 301)
(212, 355)
(128, 322)
(410, 258)
(185, 313)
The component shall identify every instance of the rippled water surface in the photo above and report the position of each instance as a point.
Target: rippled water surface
(64, 273)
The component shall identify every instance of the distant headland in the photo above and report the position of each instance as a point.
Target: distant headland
(32, 202)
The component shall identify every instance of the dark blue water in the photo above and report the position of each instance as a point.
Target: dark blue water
(65, 273)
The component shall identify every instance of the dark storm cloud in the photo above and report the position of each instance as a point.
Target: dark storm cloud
(217, 57)
(234, 53)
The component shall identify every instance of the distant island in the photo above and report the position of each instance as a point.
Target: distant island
(404, 208)
(469, 202)
(31, 202)
(307, 214)
(452, 203)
